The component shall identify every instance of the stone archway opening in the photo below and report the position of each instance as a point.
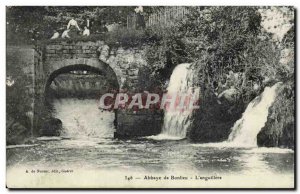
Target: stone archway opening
(72, 95)
(80, 81)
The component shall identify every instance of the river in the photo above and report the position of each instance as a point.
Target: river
(88, 151)
(82, 149)
(144, 156)
(151, 156)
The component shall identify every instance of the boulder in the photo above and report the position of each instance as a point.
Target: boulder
(213, 121)
(279, 130)
(130, 124)
(16, 133)
(51, 127)
(229, 94)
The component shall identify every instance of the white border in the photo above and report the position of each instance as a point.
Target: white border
(154, 2)
(4, 3)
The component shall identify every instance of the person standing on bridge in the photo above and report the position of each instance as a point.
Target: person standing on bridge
(140, 21)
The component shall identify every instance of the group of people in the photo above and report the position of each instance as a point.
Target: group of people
(72, 30)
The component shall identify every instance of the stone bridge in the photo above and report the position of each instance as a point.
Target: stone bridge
(120, 66)
(117, 63)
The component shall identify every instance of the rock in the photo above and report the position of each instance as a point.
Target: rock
(51, 127)
(16, 133)
(104, 53)
(129, 122)
(229, 94)
(213, 121)
(279, 129)
(276, 21)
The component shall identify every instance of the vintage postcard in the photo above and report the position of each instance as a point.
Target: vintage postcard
(135, 97)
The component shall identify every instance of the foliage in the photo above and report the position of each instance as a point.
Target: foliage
(220, 43)
(126, 37)
(17, 98)
(27, 24)
(166, 50)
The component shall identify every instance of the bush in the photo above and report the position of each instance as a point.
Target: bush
(218, 43)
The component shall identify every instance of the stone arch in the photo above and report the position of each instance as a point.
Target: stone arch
(56, 68)
(112, 62)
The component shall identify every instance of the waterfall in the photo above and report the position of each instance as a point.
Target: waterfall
(245, 130)
(177, 122)
(82, 118)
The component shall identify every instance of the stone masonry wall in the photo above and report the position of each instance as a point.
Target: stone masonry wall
(20, 73)
(30, 68)
(125, 62)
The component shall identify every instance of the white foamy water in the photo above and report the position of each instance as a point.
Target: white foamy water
(21, 146)
(176, 123)
(245, 130)
(163, 136)
(82, 118)
(47, 138)
(252, 150)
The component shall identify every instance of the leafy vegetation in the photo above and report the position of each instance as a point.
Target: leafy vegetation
(26, 25)
(221, 43)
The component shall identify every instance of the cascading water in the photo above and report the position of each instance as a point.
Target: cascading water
(177, 122)
(245, 130)
(83, 119)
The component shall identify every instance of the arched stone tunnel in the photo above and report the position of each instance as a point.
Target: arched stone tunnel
(69, 72)
(57, 62)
